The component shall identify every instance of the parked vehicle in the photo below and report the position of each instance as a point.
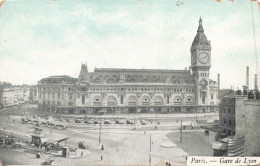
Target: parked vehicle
(100, 112)
(43, 124)
(129, 122)
(107, 122)
(48, 161)
(11, 142)
(37, 130)
(119, 122)
(96, 122)
(142, 122)
(35, 122)
(62, 127)
(25, 120)
(82, 145)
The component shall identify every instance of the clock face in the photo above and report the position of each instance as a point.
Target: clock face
(203, 58)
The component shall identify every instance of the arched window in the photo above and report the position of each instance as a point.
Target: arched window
(189, 100)
(158, 100)
(177, 100)
(145, 100)
(97, 80)
(132, 100)
(97, 101)
(111, 101)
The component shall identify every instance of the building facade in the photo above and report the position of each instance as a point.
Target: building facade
(33, 94)
(228, 112)
(135, 90)
(11, 95)
(240, 134)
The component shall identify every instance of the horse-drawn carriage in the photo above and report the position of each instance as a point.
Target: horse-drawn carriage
(37, 130)
(9, 142)
(62, 127)
(48, 161)
(82, 145)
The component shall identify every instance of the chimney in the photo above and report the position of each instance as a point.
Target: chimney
(256, 88)
(247, 77)
(218, 81)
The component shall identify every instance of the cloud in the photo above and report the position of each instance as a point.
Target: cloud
(57, 39)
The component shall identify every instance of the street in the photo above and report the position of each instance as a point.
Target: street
(130, 145)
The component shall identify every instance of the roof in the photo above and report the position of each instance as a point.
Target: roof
(121, 75)
(200, 38)
(60, 76)
(139, 70)
(58, 80)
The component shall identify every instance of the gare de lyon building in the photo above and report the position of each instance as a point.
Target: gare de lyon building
(113, 90)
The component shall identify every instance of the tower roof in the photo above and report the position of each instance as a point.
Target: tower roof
(83, 73)
(200, 38)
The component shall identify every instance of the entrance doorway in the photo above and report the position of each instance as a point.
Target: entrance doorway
(132, 110)
(177, 109)
(82, 111)
(110, 110)
(95, 110)
(158, 109)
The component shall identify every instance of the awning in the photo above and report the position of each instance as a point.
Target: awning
(219, 146)
(64, 139)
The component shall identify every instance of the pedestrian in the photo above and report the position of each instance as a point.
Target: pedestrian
(166, 164)
(101, 157)
(81, 153)
(102, 147)
(169, 164)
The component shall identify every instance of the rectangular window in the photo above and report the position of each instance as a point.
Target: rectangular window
(83, 89)
(122, 99)
(70, 96)
(83, 99)
(203, 99)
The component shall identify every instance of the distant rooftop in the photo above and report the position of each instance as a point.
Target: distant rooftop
(60, 76)
(138, 70)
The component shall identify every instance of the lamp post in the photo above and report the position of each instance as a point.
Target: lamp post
(181, 132)
(99, 138)
(150, 156)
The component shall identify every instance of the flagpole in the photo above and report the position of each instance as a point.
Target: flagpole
(254, 36)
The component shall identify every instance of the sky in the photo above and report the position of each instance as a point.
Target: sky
(40, 38)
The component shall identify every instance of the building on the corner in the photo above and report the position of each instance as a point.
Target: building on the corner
(33, 94)
(239, 132)
(11, 95)
(115, 90)
(227, 113)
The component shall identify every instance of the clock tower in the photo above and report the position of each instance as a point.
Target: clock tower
(200, 65)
